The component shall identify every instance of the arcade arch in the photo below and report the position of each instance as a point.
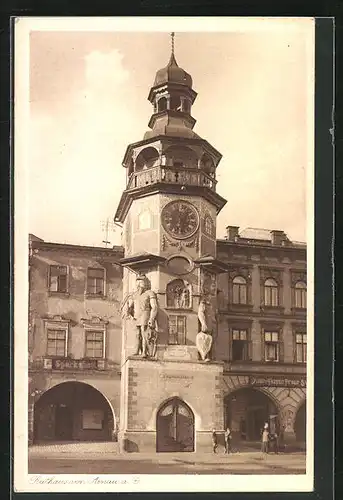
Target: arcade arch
(300, 423)
(73, 411)
(246, 410)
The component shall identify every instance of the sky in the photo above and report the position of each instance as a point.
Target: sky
(88, 101)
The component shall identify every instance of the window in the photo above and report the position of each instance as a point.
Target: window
(239, 345)
(239, 290)
(94, 344)
(57, 343)
(208, 225)
(177, 330)
(58, 279)
(300, 347)
(271, 346)
(300, 295)
(271, 293)
(162, 104)
(95, 281)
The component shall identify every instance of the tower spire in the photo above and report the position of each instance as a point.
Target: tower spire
(172, 34)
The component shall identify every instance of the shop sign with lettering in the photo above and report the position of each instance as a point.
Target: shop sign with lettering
(74, 364)
(277, 382)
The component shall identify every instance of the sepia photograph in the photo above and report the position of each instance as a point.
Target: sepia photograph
(164, 209)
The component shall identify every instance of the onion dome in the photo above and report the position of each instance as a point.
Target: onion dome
(172, 73)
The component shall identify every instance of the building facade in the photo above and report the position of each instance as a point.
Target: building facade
(176, 333)
(74, 341)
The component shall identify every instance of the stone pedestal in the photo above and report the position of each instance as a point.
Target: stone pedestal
(149, 385)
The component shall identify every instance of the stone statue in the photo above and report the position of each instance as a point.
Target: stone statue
(178, 294)
(207, 319)
(143, 308)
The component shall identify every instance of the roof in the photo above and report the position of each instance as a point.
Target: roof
(253, 233)
(50, 245)
(172, 73)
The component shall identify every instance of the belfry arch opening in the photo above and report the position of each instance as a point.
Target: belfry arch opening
(207, 165)
(247, 410)
(147, 158)
(174, 427)
(73, 411)
(181, 157)
(162, 104)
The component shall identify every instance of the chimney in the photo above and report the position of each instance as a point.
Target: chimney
(278, 237)
(232, 233)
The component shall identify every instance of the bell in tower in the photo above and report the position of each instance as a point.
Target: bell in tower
(169, 331)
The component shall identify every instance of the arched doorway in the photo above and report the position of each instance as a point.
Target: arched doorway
(73, 411)
(300, 424)
(175, 427)
(246, 412)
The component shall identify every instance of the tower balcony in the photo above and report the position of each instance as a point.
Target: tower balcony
(171, 175)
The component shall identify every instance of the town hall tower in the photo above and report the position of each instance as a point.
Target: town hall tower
(170, 394)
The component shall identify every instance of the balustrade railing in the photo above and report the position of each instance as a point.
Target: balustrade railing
(186, 177)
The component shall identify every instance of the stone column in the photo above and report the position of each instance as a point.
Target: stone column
(255, 288)
(287, 298)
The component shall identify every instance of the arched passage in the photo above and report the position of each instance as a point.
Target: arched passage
(174, 427)
(300, 423)
(246, 412)
(73, 411)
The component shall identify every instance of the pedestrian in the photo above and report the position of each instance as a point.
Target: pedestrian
(227, 437)
(276, 443)
(214, 441)
(265, 439)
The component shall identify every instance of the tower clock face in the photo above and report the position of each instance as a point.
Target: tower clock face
(180, 219)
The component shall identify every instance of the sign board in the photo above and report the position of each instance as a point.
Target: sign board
(277, 382)
(92, 419)
(177, 351)
(74, 364)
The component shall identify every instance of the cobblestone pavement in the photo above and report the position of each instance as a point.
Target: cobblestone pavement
(104, 458)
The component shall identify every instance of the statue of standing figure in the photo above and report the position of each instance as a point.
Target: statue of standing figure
(208, 323)
(142, 306)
